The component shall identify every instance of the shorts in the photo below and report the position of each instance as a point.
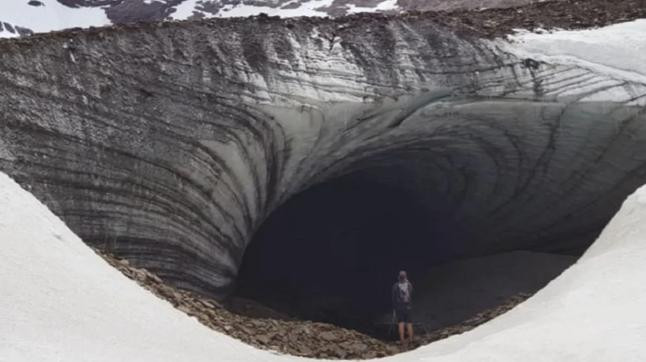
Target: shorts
(403, 315)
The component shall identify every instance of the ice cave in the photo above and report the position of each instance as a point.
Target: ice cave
(302, 162)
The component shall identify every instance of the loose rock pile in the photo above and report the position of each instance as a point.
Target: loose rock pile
(563, 14)
(300, 338)
(280, 333)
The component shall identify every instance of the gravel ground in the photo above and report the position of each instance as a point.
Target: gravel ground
(266, 329)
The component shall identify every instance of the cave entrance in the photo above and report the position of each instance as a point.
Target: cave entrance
(332, 252)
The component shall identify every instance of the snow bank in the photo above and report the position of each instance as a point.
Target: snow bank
(61, 302)
(593, 312)
(618, 50)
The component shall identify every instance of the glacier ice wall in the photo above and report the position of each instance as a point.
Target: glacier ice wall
(170, 143)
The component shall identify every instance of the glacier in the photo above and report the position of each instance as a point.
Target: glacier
(63, 302)
(170, 146)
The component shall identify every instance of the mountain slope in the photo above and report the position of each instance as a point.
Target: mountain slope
(48, 15)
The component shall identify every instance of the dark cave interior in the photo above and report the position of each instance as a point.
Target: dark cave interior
(332, 252)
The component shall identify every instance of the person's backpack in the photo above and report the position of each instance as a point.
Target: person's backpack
(404, 293)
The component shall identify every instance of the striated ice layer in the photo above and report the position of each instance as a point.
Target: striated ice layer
(63, 302)
(169, 145)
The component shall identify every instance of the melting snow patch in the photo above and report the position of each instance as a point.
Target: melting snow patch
(383, 6)
(61, 302)
(184, 10)
(51, 16)
(309, 8)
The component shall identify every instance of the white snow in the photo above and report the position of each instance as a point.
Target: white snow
(52, 16)
(383, 6)
(618, 50)
(7, 34)
(184, 10)
(310, 8)
(59, 301)
(593, 312)
(306, 9)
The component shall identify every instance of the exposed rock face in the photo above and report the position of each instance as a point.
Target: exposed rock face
(120, 12)
(169, 145)
(50, 15)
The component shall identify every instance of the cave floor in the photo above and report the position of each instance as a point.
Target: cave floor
(264, 328)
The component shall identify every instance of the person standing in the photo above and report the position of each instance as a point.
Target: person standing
(402, 293)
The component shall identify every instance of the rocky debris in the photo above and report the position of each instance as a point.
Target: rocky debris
(488, 19)
(531, 15)
(283, 334)
(253, 309)
(300, 338)
(563, 14)
(444, 5)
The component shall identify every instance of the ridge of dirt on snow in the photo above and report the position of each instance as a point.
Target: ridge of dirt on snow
(485, 23)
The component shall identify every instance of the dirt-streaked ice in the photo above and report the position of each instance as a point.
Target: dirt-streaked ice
(61, 302)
